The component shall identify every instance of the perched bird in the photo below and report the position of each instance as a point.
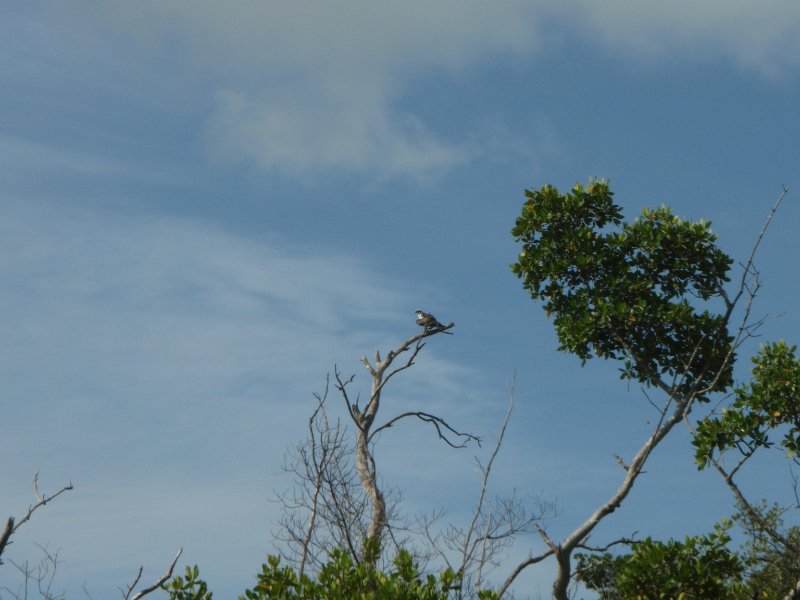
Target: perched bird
(427, 321)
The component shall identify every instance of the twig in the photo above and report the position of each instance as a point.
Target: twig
(41, 500)
(157, 585)
(487, 471)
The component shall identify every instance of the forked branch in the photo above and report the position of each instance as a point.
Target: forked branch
(126, 594)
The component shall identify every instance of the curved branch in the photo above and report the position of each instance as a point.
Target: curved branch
(521, 567)
(437, 422)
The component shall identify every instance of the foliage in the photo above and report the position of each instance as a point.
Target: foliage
(770, 400)
(699, 568)
(190, 587)
(339, 579)
(626, 290)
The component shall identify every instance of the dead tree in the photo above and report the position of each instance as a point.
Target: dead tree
(381, 371)
(337, 501)
(324, 508)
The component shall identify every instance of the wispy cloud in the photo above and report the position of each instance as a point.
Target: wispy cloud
(163, 362)
(343, 131)
(318, 86)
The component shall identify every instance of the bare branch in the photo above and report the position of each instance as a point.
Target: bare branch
(126, 593)
(627, 541)
(157, 585)
(438, 422)
(520, 568)
(42, 575)
(41, 499)
(487, 471)
(319, 465)
(751, 258)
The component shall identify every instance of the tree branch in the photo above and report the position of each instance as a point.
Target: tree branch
(437, 422)
(157, 585)
(520, 568)
(41, 499)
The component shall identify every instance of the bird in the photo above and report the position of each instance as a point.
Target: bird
(427, 321)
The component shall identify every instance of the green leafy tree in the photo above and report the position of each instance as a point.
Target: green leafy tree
(625, 290)
(648, 293)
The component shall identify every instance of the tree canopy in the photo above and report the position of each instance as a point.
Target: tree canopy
(627, 291)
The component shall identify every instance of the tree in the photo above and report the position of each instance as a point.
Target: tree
(641, 293)
(337, 502)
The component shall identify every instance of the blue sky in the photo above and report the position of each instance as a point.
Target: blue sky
(205, 206)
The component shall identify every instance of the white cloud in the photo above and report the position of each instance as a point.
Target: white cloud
(312, 86)
(758, 36)
(319, 82)
(357, 36)
(332, 131)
